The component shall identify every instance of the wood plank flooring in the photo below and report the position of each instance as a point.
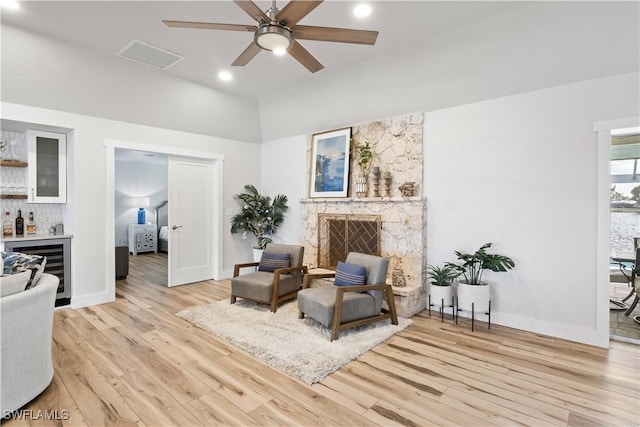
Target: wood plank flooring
(134, 363)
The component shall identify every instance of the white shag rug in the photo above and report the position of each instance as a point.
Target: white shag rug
(298, 347)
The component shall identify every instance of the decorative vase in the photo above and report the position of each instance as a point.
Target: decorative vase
(361, 185)
(478, 295)
(257, 254)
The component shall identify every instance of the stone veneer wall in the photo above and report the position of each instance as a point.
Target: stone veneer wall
(397, 147)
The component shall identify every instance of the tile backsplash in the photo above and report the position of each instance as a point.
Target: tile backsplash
(16, 148)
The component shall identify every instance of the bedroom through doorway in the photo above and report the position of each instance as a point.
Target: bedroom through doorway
(141, 194)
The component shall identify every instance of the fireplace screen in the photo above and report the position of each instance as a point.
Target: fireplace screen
(340, 234)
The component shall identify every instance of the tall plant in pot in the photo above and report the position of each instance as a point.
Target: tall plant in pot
(259, 215)
(364, 159)
(441, 291)
(472, 266)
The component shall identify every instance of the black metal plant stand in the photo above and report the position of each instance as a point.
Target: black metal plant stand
(473, 314)
(442, 307)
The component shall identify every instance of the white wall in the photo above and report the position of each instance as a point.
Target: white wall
(241, 165)
(47, 73)
(137, 179)
(541, 45)
(284, 171)
(521, 172)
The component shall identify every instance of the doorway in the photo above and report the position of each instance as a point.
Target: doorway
(141, 191)
(625, 232)
(213, 177)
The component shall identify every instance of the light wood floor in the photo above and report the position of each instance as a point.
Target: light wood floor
(133, 362)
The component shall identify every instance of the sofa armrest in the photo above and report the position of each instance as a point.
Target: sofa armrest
(26, 326)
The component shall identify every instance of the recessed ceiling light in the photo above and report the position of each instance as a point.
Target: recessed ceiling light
(225, 76)
(279, 51)
(10, 4)
(362, 10)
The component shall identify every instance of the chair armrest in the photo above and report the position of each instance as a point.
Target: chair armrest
(237, 267)
(361, 288)
(279, 271)
(310, 276)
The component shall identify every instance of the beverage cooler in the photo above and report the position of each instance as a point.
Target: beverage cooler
(58, 253)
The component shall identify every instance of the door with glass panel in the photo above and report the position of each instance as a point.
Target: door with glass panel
(47, 167)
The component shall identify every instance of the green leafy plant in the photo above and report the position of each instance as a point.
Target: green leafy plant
(442, 275)
(365, 155)
(473, 265)
(258, 215)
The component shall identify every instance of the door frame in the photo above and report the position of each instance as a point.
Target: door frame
(603, 230)
(217, 162)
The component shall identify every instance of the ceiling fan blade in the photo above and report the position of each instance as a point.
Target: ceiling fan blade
(295, 10)
(340, 35)
(252, 10)
(247, 55)
(210, 26)
(304, 57)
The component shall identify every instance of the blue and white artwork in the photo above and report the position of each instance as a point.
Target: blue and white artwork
(331, 164)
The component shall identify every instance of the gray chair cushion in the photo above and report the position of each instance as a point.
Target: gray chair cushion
(319, 304)
(257, 286)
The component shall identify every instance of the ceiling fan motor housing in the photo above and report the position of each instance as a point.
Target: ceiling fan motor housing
(273, 36)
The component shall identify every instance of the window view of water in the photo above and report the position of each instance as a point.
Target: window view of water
(624, 227)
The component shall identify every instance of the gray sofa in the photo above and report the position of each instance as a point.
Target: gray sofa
(26, 324)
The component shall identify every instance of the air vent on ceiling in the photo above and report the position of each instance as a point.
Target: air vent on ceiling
(151, 55)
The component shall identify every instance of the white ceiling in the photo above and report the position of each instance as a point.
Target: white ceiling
(105, 27)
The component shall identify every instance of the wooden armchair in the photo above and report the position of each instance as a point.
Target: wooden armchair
(270, 287)
(343, 307)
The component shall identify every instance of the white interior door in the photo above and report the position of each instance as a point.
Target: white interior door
(191, 230)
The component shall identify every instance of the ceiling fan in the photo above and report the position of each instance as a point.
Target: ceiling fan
(277, 31)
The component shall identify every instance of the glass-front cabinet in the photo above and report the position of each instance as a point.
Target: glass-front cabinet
(47, 170)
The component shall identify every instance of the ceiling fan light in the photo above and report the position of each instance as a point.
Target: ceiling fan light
(362, 10)
(279, 51)
(273, 37)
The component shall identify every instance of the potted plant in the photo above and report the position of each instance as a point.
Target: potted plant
(442, 278)
(472, 291)
(259, 215)
(364, 159)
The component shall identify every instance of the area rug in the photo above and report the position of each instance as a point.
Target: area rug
(299, 347)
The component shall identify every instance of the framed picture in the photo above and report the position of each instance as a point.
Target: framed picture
(330, 163)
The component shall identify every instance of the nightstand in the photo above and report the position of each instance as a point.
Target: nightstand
(143, 238)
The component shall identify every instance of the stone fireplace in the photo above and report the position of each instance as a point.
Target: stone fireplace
(393, 227)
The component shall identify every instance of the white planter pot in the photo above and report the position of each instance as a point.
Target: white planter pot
(440, 293)
(479, 295)
(257, 254)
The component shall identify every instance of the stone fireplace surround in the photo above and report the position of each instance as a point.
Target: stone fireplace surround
(402, 240)
(397, 147)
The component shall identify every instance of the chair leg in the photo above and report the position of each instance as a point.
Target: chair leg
(337, 315)
(632, 306)
(392, 305)
(233, 299)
